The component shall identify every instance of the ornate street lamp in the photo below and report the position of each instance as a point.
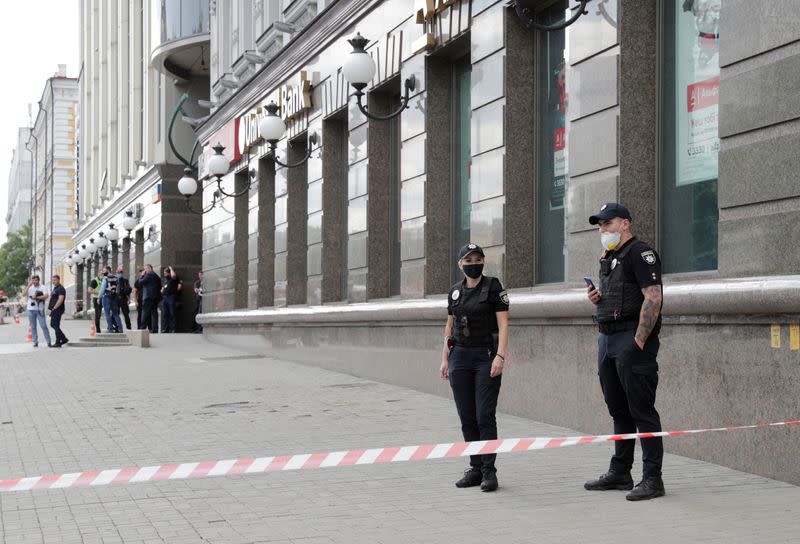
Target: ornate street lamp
(129, 223)
(526, 16)
(271, 129)
(84, 252)
(112, 234)
(91, 247)
(359, 69)
(187, 186)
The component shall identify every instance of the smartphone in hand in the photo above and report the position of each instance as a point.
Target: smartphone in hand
(589, 283)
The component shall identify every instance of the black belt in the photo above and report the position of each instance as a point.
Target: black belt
(613, 327)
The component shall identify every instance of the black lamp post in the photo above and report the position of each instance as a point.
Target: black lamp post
(526, 16)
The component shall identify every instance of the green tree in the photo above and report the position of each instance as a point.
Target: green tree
(14, 256)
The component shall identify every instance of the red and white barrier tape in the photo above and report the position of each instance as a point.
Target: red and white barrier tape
(306, 461)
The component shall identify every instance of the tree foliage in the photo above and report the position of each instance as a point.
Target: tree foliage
(14, 255)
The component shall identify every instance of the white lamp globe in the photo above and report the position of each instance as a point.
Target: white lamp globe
(218, 164)
(112, 234)
(101, 240)
(359, 68)
(69, 260)
(84, 253)
(271, 127)
(187, 185)
(91, 247)
(129, 222)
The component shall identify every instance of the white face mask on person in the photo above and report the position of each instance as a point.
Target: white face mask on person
(610, 240)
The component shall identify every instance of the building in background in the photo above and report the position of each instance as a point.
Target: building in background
(19, 183)
(137, 59)
(512, 139)
(53, 141)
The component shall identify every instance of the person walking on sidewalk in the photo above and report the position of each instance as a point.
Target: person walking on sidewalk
(97, 304)
(37, 295)
(169, 307)
(109, 288)
(628, 315)
(198, 307)
(473, 355)
(55, 307)
(124, 296)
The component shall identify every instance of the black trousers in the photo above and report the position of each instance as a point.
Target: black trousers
(150, 314)
(55, 324)
(98, 311)
(169, 314)
(475, 393)
(125, 311)
(629, 378)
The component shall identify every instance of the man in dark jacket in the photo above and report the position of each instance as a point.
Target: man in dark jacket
(58, 297)
(150, 285)
(124, 296)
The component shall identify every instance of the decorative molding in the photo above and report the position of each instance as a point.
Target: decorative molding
(327, 27)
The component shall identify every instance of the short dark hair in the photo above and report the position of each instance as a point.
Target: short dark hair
(56, 276)
(35, 277)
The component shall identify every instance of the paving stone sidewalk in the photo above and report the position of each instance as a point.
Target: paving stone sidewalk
(188, 400)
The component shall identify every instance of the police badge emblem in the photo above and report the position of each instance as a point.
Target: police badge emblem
(455, 294)
(504, 297)
(649, 257)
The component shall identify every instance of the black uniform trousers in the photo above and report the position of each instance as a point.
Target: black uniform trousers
(98, 311)
(125, 310)
(55, 323)
(475, 393)
(150, 314)
(629, 378)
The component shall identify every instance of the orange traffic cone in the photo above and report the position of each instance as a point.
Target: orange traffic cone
(91, 328)
(30, 334)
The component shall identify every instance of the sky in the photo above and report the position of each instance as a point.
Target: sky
(35, 37)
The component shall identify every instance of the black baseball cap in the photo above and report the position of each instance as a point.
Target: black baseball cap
(610, 211)
(470, 248)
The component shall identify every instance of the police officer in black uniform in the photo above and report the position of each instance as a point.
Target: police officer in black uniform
(628, 314)
(474, 352)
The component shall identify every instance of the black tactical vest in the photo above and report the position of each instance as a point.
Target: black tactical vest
(111, 284)
(474, 319)
(620, 300)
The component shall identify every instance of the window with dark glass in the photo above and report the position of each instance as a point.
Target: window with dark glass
(394, 200)
(461, 153)
(689, 135)
(551, 138)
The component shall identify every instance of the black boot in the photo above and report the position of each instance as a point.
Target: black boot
(610, 480)
(472, 477)
(649, 488)
(489, 481)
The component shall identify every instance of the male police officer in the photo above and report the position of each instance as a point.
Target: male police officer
(628, 304)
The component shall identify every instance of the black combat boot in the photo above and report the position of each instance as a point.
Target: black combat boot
(649, 488)
(489, 481)
(472, 477)
(610, 480)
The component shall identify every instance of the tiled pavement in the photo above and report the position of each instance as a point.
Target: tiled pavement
(187, 400)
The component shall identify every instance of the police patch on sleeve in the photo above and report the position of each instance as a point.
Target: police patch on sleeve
(504, 297)
(455, 294)
(649, 257)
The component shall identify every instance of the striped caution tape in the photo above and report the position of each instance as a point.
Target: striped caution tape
(306, 461)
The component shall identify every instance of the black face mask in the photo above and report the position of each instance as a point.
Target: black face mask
(473, 271)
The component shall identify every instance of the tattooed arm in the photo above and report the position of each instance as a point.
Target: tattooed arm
(648, 316)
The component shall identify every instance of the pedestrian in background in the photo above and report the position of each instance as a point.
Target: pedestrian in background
(198, 306)
(150, 285)
(124, 296)
(137, 293)
(37, 295)
(628, 315)
(474, 352)
(109, 289)
(97, 303)
(55, 307)
(169, 307)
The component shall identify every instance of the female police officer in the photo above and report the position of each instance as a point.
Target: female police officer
(476, 335)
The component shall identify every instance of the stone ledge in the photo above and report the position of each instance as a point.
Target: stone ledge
(139, 338)
(735, 296)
